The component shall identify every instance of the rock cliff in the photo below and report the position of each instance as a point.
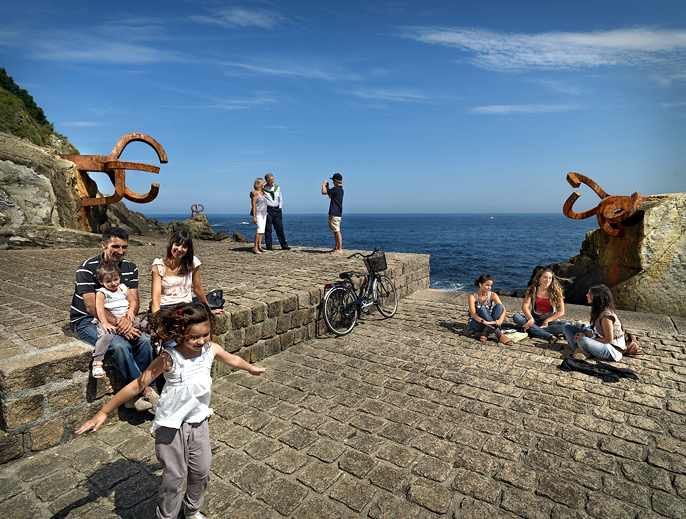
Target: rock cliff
(645, 268)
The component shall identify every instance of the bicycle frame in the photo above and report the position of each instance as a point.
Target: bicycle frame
(362, 298)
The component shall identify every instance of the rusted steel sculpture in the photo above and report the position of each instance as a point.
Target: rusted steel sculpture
(610, 210)
(195, 211)
(116, 170)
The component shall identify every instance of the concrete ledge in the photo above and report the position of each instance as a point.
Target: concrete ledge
(45, 387)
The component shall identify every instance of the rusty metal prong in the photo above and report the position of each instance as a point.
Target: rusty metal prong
(569, 213)
(139, 137)
(575, 180)
(142, 199)
(119, 182)
(138, 166)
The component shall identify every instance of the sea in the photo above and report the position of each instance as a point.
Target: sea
(462, 246)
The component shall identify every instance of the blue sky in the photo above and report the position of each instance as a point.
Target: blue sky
(424, 106)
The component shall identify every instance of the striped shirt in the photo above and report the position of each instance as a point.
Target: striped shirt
(86, 284)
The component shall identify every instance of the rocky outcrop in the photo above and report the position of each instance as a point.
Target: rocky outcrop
(39, 191)
(645, 268)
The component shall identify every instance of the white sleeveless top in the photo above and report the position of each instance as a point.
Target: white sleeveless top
(186, 393)
(115, 302)
(175, 289)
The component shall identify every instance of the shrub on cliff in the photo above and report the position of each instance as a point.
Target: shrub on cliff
(20, 116)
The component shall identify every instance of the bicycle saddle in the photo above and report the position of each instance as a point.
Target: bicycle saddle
(347, 275)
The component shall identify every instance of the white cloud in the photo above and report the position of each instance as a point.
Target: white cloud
(231, 17)
(287, 69)
(558, 50)
(390, 95)
(523, 109)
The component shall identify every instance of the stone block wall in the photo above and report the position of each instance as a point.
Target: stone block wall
(46, 391)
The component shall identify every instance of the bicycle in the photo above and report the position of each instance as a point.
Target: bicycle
(342, 303)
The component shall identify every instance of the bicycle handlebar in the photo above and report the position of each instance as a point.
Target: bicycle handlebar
(376, 249)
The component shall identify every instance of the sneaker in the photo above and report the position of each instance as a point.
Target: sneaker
(197, 515)
(582, 355)
(147, 402)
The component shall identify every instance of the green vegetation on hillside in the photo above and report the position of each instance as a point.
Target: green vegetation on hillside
(20, 116)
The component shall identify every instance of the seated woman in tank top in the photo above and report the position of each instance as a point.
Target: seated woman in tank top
(486, 312)
(543, 307)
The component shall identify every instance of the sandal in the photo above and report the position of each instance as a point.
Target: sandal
(505, 340)
(552, 340)
(98, 372)
(483, 337)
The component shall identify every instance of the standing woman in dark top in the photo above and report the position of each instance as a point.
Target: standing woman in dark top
(542, 308)
(605, 340)
(486, 311)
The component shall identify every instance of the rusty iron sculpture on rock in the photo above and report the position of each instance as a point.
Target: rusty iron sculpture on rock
(610, 211)
(116, 170)
(195, 212)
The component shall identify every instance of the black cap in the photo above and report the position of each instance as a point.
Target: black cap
(337, 176)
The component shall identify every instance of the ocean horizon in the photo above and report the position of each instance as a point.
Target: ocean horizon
(462, 246)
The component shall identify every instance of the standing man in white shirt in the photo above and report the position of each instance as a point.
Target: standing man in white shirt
(272, 193)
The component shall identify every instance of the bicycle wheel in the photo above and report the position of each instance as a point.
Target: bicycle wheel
(338, 316)
(385, 297)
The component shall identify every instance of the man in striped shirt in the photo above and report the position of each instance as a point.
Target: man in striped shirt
(130, 349)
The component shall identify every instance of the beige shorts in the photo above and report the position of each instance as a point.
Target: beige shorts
(334, 223)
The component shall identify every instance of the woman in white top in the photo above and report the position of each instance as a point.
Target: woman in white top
(174, 276)
(259, 213)
(605, 340)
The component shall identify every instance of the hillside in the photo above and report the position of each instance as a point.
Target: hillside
(20, 116)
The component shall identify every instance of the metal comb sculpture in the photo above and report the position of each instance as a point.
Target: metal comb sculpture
(610, 210)
(116, 170)
(195, 212)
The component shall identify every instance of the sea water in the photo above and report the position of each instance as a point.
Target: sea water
(462, 246)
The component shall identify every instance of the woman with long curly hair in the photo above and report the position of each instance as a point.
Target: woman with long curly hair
(543, 307)
(605, 340)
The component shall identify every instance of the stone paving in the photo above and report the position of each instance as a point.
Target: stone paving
(408, 417)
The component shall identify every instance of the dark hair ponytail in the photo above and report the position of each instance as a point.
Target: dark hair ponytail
(172, 324)
(482, 279)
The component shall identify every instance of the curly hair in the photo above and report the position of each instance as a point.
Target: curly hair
(173, 324)
(182, 237)
(555, 291)
(601, 299)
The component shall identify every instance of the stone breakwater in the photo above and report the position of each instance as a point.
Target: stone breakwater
(45, 387)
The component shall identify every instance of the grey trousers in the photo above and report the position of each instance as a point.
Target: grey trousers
(181, 451)
(105, 338)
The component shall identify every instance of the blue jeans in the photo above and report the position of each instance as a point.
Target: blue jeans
(554, 328)
(130, 358)
(494, 315)
(596, 348)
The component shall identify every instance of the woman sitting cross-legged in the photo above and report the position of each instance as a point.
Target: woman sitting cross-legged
(542, 308)
(606, 338)
(486, 311)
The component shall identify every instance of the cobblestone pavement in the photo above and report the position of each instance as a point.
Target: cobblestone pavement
(408, 417)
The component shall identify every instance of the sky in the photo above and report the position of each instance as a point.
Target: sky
(422, 106)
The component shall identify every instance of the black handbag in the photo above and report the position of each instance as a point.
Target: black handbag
(216, 299)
